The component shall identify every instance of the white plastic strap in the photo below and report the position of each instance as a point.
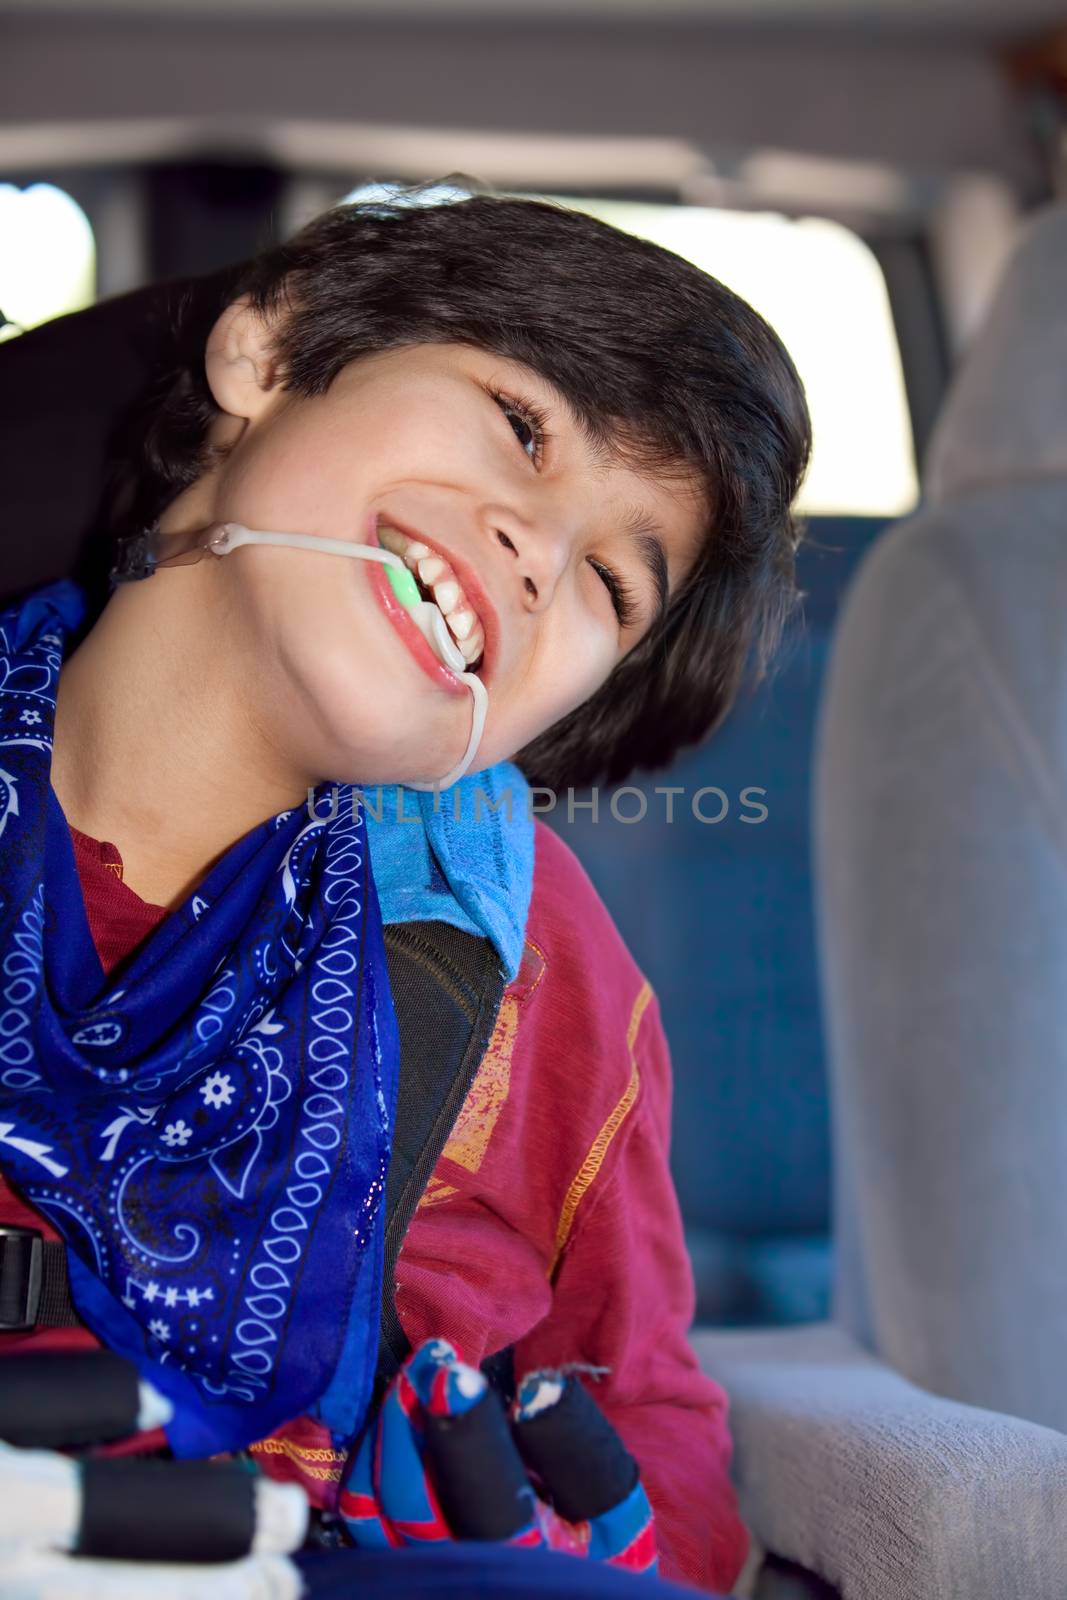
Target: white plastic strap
(427, 617)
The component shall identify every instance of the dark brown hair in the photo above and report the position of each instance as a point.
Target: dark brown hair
(662, 365)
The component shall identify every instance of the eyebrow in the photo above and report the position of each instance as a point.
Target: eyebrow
(648, 540)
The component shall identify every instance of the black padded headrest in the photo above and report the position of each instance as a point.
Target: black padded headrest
(66, 389)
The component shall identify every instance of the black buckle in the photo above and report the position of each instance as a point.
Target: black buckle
(21, 1277)
(135, 557)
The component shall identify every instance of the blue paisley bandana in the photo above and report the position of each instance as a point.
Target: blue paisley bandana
(210, 1132)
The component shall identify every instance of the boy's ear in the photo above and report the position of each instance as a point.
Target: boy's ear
(240, 369)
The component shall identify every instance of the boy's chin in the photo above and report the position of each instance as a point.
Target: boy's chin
(378, 772)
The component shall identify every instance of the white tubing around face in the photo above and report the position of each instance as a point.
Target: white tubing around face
(426, 616)
(479, 710)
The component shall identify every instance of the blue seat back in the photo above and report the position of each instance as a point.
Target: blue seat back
(719, 915)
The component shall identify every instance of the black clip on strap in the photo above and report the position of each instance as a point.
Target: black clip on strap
(21, 1276)
(136, 556)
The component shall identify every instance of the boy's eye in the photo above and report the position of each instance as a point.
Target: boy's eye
(622, 597)
(523, 431)
(528, 422)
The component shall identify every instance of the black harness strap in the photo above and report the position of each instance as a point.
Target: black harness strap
(447, 988)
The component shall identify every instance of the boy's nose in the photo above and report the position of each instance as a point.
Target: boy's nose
(540, 557)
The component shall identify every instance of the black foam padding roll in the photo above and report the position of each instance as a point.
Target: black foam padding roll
(479, 1480)
(584, 1465)
(166, 1510)
(61, 1400)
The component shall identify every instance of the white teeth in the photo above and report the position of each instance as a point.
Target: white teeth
(462, 621)
(447, 595)
(437, 575)
(431, 568)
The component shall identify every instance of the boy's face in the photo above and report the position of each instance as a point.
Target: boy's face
(342, 682)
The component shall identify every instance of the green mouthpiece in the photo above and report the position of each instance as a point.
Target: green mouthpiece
(404, 586)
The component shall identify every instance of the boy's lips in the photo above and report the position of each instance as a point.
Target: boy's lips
(469, 581)
(411, 635)
(382, 589)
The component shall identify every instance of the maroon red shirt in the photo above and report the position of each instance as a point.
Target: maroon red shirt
(550, 1222)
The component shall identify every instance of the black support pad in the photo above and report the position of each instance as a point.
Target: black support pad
(67, 1399)
(194, 1511)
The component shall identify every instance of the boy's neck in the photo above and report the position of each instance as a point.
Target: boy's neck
(154, 750)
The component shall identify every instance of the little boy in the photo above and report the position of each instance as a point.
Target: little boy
(585, 450)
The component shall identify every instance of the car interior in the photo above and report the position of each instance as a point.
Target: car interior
(849, 900)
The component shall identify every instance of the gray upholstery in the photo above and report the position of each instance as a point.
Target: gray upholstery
(884, 1490)
(1004, 420)
(940, 849)
(943, 884)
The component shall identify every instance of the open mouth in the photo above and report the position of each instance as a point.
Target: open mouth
(438, 583)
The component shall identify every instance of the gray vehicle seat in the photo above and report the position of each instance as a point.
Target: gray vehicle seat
(940, 829)
(941, 846)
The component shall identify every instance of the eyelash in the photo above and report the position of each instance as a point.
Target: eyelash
(534, 417)
(623, 598)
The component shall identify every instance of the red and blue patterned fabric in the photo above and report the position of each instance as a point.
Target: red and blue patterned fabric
(443, 1460)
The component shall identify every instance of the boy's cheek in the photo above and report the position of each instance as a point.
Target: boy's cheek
(528, 714)
(369, 720)
(566, 677)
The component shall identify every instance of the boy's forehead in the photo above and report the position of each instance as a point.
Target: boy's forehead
(453, 356)
(671, 500)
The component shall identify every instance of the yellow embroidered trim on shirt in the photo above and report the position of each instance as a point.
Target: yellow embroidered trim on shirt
(598, 1149)
(435, 1190)
(303, 1455)
(487, 1096)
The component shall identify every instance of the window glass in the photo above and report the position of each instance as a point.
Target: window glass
(47, 256)
(821, 289)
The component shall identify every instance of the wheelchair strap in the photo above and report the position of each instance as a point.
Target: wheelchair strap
(447, 988)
